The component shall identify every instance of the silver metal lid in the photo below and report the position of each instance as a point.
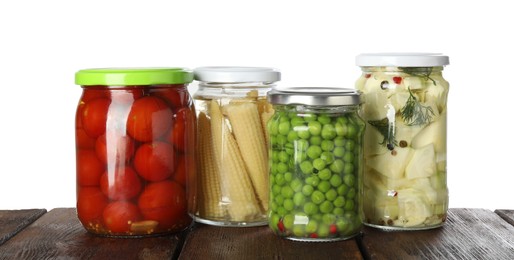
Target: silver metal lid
(314, 96)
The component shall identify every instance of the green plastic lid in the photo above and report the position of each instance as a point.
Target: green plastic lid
(133, 76)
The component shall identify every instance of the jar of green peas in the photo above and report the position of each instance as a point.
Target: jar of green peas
(315, 148)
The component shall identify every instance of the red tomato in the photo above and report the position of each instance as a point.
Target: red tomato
(113, 148)
(122, 183)
(155, 161)
(182, 134)
(180, 171)
(89, 168)
(149, 118)
(165, 202)
(90, 205)
(127, 95)
(177, 97)
(82, 140)
(94, 116)
(119, 215)
(91, 93)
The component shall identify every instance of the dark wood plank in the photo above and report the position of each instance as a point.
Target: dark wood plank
(209, 242)
(467, 234)
(506, 214)
(13, 221)
(59, 234)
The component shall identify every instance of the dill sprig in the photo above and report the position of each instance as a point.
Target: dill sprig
(414, 113)
(422, 72)
(387, 130)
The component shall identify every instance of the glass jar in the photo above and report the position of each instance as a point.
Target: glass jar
(404, 106)
(315, 163)
(135, 143)
(232, 111)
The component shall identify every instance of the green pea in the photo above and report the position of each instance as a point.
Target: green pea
(339, 141)
(315, 127)
(281, 211)
(337, 166)
(288, 204)
(283, 156)
(288, 221)
(284, 127)
(328, 157)
(310, 208)
(281, 139)
(279, 179)
(342, 190)
(288, 176)
(331, 195)
(339, 151)
(296, 185)
(302, 145)
(303, 132)
(342, 120)
(306, 167)
(319, 164)
(349, 205)
(342, 224)
(323, 230)
(275, 156)
(350, 145)
(329, 218)
(282, 167)
(307, 190)
(328, 132)
(315, 140)
(274, 206)
(325, 174)
(349, 180)
(275, 190)
(326, 207)
(311, 226)
(351, 193)
(341, 130)
(312, 180)
(352, 131)
(324, 186)
(317, 197)
(287, 192)
(327, 145)
(314, 151)
(274, 219)
(348, 168)
(292, 136)
(279, 199)
(309, 117)
(317, 217)
(324, 119)
(336, 180)
(338, 211)
(297, 121)
(298, 199)
(339, 202)
(299, 230)
(348, 157)
(289, 148)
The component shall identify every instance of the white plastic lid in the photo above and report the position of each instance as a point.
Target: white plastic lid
(236, 74)
(402, 59)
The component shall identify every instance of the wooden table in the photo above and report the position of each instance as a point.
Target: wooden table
(57, 234)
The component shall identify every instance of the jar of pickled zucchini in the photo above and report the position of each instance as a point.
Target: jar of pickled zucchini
(404, 106)
(135, 143)
(232, 111)
(315, 163)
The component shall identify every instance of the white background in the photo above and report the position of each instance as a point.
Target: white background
(313, 43)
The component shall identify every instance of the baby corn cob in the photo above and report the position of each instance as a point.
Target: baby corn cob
(266, 111)
(209, 179)
(243, 204)
(246, 126)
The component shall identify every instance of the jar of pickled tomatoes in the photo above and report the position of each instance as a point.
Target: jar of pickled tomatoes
(135, 142)
(315, 163)
(232, 180)
(404, 106)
